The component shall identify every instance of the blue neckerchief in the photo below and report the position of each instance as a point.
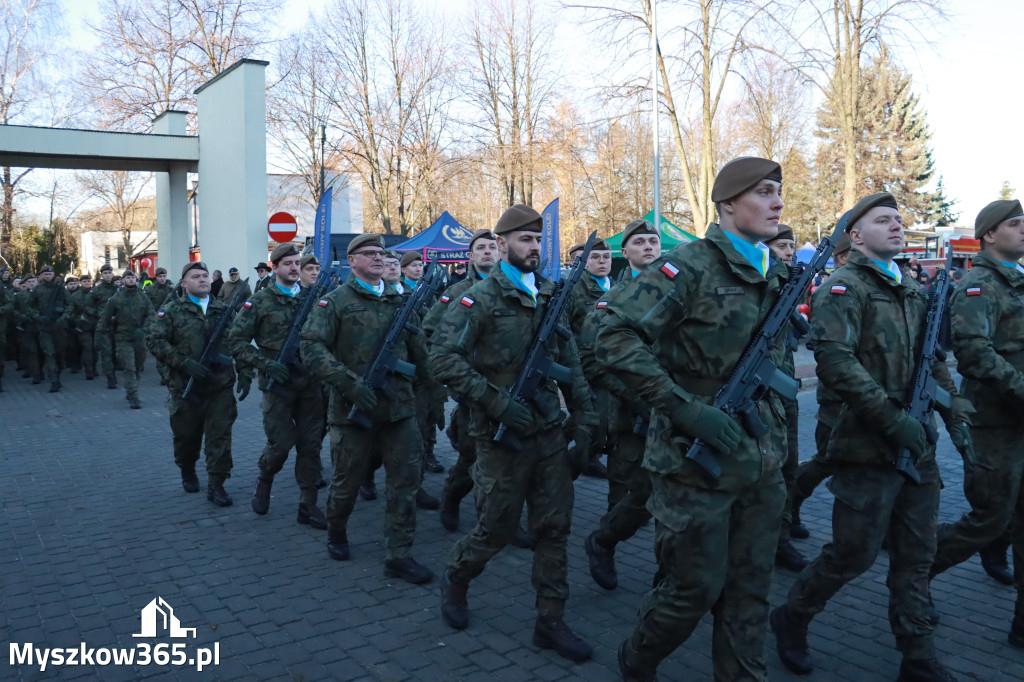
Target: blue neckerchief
(1013, 266)
(201, 302)
(635, 273)
(889, 268)
(290, 291)
(517, 277)
(409, 284)
(602, 282)
(379, 289)
(756, 254)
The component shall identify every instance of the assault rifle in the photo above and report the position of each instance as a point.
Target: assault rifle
(757, 372)
(212, 354)
(385, 362)
(539, 365)
(924, 393)
(289, 353)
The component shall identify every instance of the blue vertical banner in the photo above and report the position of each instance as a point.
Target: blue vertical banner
(550, 251)
(322, 231)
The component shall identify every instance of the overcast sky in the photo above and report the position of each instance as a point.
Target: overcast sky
(969, 81)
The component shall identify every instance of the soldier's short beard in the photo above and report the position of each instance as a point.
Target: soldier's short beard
(515, 261)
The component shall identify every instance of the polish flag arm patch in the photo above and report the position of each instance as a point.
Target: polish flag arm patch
(467, 301)
(160, 314)
(445, 298)
(248, 304)
(669, 270)
(322, 303)
(602, 304)
(973, 291)
(838, 289)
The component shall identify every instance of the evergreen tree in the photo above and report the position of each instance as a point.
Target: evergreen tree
(943, 213)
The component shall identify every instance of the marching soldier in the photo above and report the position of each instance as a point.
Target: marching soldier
(126, 314)
(293, 411)
(6, 310)
(81, 318)
(339, 341)
(102, 292)
(72, 345)
(178, 334)
(866, 324)
(28, 337)
(158, 291)
(988, 338)
(477, 349)
(47, 305)
(309, 269)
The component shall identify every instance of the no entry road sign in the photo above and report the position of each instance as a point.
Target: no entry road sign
(282, 227)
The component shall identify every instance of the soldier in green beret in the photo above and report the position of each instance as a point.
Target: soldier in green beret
(128, 313)
(6, 310)
(81, 322)
(339, 341)
(102, 292)
(987, 323)
(47, 304)
(293, 412)
(866, 324)
(673, 336)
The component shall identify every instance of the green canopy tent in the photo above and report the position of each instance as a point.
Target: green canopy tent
(671, 236)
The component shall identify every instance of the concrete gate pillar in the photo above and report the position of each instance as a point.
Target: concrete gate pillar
(172, 233)
(232, 195)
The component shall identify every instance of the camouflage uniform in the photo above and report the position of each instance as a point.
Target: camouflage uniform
(103, 291)
(46, 306)
(673, 337)
(157, 293)
(988, 338)
(81, 321)
(339, 340)
(129, 311)
(294, 419)
(815, 470)
(865, 330)
(6, 311)
(178, 333)
(27, 336)
(476, 350)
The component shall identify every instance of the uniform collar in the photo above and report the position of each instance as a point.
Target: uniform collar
(738, 263)
(1012, 276)
(509, 289)
(862, 262)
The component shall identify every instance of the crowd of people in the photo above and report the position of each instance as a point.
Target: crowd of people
(636, 367)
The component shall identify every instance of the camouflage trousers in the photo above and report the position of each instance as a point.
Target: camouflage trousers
(504, 479)
(211, 417)
(72, 350)
(993, 487)
(131, 356)
(811, 473)
(352, 453)
(628, 513)
(428, 430)
(459, 482)
(51, 347)
(87, 348)
(718, 556)
(28, 349)
(792, 463)
(290, 422)
(105, 349)
(871, 501)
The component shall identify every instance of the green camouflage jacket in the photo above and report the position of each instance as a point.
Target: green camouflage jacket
(581, 301)
(674, 335)
(103, 291)
(865, 329)
(6, 307)
(987, 316)
(267, 317)
(452, 293)
(341, 338)
(178, 332)
(481, 343)
(126, 311)
(79, 313)
(158, 293)
(47, 302)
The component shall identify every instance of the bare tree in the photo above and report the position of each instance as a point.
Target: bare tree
(224, 31)
(120, 192)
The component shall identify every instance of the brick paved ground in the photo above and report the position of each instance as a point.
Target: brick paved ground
(95, 525)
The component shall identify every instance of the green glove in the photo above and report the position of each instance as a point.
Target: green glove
(517, 417)
(195, 369)
(277, 371)
(242, 386)
(909, 433)
(361, 396)
(579, 453)
(710, 424)
(139, 334)
(960, 434)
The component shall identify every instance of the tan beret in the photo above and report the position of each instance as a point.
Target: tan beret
(410, 257)
(519, 217)
(160, 271)
(481, 234)
(308, 259)
(866, 204)
(739, 175)
(283, 251)
(197, 265)
(364, 240)
(785, 232)
(995, 213)
(640, 226)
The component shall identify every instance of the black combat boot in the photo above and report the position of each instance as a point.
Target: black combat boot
(450, 512)
(551, 632)
(1016, 636)
(54, 386)
(454, 607)
(993, 560)
(791, 642)
(789, 557)
(189, 480)
(631, 674)
(215, 493)
(521, 539)
(111, 381)
(310, 515)
(337, 543)
(133, 402)
(430, 462)
(924, 670)
(602, 562)
(425, 500)
(261, 496)
(797, 530)
(409, 570)
(595, 469)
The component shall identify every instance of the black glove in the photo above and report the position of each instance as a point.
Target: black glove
(435, 416)
(579, 453)
(277, 371)
(710, 424)
(195, 369)
(362, 396)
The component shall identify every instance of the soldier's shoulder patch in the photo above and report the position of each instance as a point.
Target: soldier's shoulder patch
(837, 289)
(669, 270)
(467, 301)
(160, 314)
(973, 291)
(602, 304)
(322, 303)
(247, 304)
(445, 298)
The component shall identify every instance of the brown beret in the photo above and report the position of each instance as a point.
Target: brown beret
(785, 232)
(281, 251)
(843, 244)
(640, 226)
(995, 213)
(45, 268)
(106, 268)
(868, 203)
(197, 265)
(575, 249)
(84, 278)
(128, 273)
(480, 234)
(519, 217)
(364, 240)
(160, 271)
(739, 175)
(307, 259)
(410, 257)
